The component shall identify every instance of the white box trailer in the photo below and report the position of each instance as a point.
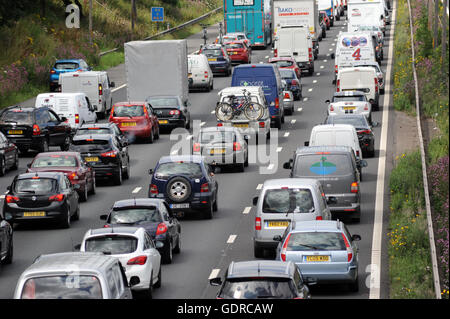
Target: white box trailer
(365, 12)
(157, 67)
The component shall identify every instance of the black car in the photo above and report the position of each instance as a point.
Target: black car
(105, 154)
(6, 241)
(155, 216)
(171, 111)
(9, 155)
(363, 129)
(186, 182)
(103, 128)
(218, 58)
(263, 279)
(35, 128)
(41, 196)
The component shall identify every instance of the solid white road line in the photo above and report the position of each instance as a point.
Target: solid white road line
(118, 88)
(231, 239)
(286, 134)
(246, 210)
(214, 273)
(136, 190)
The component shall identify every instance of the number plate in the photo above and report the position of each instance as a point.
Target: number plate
(277, 224)
(91, 159)
(184, 205)
(128, 124)
(34, 214)
(212, 59)
(347, 108)
(217, 151)
(163, 121)
(15, 132)
(189, 75)
(233, 53)
(240, 125)
(317, 258)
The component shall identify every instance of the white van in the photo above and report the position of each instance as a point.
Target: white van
(74, 106)
(366, 12)
(296, 42)
(199, 72)
(95, 84)
(363, 79)
(247, 128)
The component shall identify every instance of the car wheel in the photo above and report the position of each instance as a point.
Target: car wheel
(158, 283)
(65, 223)
(177, 248)
(215, 206)
(2, 166)
(258, 252)
(76, 216)
(84, 194)
(127, 173)
(157, 133)
(382, 91)
(118, 176)
(149, 292)
(246, 161)
(150, 138)
(371, 153)
(240, 167)
(354, 286)
(66, 144)
(208, 213)
(168, 253)
(93, 186)
(9, 256)
(16, 162)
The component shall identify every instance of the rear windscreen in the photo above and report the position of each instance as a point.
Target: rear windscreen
(317, 165)
(292, 200)
(91, 131)
(234, 46)
(287, 74)
(163, 102)
(283, 64)
(35, 186)
(91, 145)
(55, 160)
(355, 121)
(112, 244)
(316, 241)
(258, 288)
(168, 169)
(212, 53)
(135, 215)
(128, 110)
(214, 137)
(66, 66)
(16, 116)
(354, 98)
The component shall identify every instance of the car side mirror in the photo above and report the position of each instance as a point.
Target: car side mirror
(159, 244)
(287, 165)
(63, 119)
(333, 55)
(255, 200)
(103, 217)
(327, 101)
(306, 143)
(8, 188)
(112, 84)
(364, 163)
(356, 237)
(215, 281)
(95, 108)
(277, 238)
(371, 101)
(150, 171)
(331, 200)
(77, 247)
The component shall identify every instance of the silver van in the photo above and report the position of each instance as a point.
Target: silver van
(282, 201)
(336, 169)
(74, 275)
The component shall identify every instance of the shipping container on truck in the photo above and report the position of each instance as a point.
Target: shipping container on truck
(251, 17)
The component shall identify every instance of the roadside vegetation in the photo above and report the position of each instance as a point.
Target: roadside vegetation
(409, 254)
(34, 37)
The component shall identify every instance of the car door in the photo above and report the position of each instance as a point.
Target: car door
(57, 128)
(211, 180)
(123, 151)
(91, 116)
(170, 221)
(152, 117)
(9, 150)
(69, 191)
(154, 255)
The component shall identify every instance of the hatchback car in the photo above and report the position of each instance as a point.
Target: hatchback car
(103, 128)
(293, 83)
(363, 129)
(336, 169)
(170, 111)
(282, 201)
(218, 58)
(41, 196)
(238, 51)
(322, 249)
(9, 155)
(263, 279)
(105, 155)
(155, 216)
(135, 120)
(35, 128)
(74, 275)
(6, 241)
(62, 66)
(135, 250)
(186, 182)
(287, 63)
(69, 163)
(349, 102)
(222, 146)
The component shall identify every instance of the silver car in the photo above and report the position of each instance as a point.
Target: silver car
(74, 275)
(282, 201)
(222, 146)
(322, 249)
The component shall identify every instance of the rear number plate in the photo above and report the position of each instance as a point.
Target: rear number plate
(240, 125)
(217, 151)
(211, 59)
(184, 205)
(274, 224)
(15, 132)
(317, 258)
(348, 108)
(34, 214)
(91, 159)
(128, 124)
(163, 121)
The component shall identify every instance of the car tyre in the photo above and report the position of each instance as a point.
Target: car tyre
(150, 139)
(258, 252)
(84, 194)
(177, 248)
(93, 186)
(9, 256)
(118, 177)
(208, 213)
(354, 286)
(66, 144)
(158, 283)
(44, 147)
(16, 162)
(76, 216)
(167, 255)
(2, 166)
(65, 223)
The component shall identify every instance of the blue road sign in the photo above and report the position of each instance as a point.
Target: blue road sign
(157, 14)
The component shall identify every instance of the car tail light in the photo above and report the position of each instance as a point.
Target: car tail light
(106, 226)
(196, 147)
(357, 153)
(262, 124)
(174, 112)
(77, 118)
(283, 251)
(294, 82)
(100, 89)
(354, 188)
(349, 249)
(364, 132)
(140, 260)
(376, 85)
(277, 103)
(319, 218)
(219, 124)
(52, 72)
(11, 199)
(338, 83)
(206, 74)
(275, 52)
(204, 188)
(73, 176)
(258, 223)
(56, 198)
(153, 189)
(260, 36)
(335, 68)
(162, 228)
(236, 146)
(109, 154)
(287, 96)
(310, 54)
(366, 108)
(36, 130)
(331, 108)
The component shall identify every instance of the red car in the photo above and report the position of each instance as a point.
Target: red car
(69, 163)
(326, 19)
(238, 51)
(287, 63)
(135, 120)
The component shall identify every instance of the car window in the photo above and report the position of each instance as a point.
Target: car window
(112, 283)
(128, 110)
(168, 169)
(90, 144)
(297, 278)
(2, 138)
(164, 212)
(163, 102)
(135, 215)
(316, 165)
(238, 99)
(93, 130)
(34, 186)
(66, 65)
(55, 160)
(118, 278)
(148, 242)
(350, 98)
(283, 64)
(293, 200)
(234, 46)
(356, 121)
(214, 137)
(212, 53)
(53, 116)
(112, 244)
(307, 241)
(252, 288)
(16, 115)
(287, 74)
(42, 116)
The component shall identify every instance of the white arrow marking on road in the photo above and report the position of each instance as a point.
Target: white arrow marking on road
(136, 190)
(214, 273)
(246, 210)
(231, 239)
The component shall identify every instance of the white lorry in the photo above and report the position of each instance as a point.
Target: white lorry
(297, 12)
(366, 12)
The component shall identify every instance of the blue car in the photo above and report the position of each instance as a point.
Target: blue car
(186, 182)
(61, 66)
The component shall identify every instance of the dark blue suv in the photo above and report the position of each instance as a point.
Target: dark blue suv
(61, 66)
(186, 182)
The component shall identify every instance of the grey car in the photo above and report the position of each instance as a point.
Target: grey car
(336, 169)
(222, 146)
(322, 249)
(280, 202)
(74, 275)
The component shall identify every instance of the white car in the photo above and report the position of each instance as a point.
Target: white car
(350, 102)
(134, 248)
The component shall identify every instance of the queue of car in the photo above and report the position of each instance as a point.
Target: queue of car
(294, 216)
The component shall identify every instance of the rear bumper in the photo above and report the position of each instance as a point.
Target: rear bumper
(197, 202)
(106, 172)
(27, 142)
(138, 131)
(14, 213)
(171, 122)
(219, 68)
(348, 275)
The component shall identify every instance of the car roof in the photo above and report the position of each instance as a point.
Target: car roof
(349, 93)
(323, 148)
(327, 127)
(100, 125)
(259, 65)
(23, 108)
(46, 154)
(317, 225)
(118, 230)
(61, 94)
(95, 137)
(181, 158)
(281, 58)
(53, 175)
(260, 268)
(138, 202)
(357, 68)
(238, 89)
(290, 182)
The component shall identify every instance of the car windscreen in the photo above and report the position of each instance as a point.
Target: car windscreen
(163, 102)
(16, 116)
(135, 215)
(212, 53)
(319, 165)
(316, 241)
(93, 130)
(258, 288)
(356, 121)
(89, 145)
(36, 186)
(353, 98)
(234, 46)
(111, 244)
(216, 137)
(128, 110)
(287, 74)
(292, 200)
(283, 63)
(66, 66)
(176, 168)
(71, 286)
(55, 160)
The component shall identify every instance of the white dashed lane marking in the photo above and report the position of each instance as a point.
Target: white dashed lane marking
(214, 273)
(259, 186)
(231, 239)
(293, 122)
(286, 134)
(136, 190)
(279, 149)
(246, 210)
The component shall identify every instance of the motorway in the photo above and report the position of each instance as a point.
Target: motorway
(208, 246)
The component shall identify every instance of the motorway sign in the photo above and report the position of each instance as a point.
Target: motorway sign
(157, 14)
